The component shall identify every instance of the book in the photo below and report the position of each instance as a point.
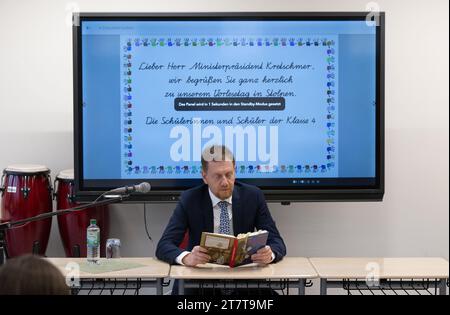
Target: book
(233, 250)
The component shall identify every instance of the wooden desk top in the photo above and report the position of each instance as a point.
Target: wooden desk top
(152, 268)
(288, 268)
(388, 268)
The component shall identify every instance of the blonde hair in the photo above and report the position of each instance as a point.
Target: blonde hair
(216, 153)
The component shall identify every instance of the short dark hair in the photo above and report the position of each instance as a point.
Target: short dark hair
(216, 153)
(31, 275)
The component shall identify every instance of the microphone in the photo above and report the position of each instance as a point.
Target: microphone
(143, 187)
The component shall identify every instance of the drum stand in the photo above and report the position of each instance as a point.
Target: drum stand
(8, 225)
(3, 252)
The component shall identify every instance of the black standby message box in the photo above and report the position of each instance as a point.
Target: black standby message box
(229, 103)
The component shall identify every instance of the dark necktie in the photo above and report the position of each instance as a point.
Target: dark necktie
(224, 226)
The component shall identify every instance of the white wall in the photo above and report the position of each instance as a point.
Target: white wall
(413, 219)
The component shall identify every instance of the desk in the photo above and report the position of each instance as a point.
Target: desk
(382, 274)
(295, 271)
(150, 275)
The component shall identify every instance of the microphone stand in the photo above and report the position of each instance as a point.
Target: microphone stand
(11, 224)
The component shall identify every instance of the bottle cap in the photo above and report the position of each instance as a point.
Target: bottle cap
(93, 221)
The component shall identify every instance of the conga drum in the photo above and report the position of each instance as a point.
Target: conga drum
(26, 192)
(72, 226)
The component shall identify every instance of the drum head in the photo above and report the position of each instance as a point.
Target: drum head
(66, 175)
(26, 169)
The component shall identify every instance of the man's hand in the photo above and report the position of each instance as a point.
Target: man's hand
(263, 255)
(197, 256)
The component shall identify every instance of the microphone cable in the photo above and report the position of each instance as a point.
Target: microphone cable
(145, 222)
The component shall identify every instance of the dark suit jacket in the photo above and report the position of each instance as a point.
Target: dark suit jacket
(194, 212)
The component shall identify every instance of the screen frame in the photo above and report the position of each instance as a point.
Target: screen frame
(82, 194)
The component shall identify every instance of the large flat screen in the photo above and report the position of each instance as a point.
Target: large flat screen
(297, 97)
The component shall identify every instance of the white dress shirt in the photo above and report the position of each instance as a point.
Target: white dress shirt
(216, 212)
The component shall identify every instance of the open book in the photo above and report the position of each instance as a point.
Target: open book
(233, 250)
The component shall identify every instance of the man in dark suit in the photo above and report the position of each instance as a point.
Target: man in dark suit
(220, 205)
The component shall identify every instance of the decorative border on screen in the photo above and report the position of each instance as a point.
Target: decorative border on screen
(209, 42)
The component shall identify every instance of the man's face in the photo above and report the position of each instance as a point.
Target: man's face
(220, 178)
